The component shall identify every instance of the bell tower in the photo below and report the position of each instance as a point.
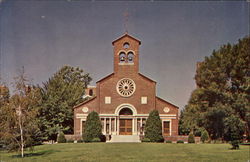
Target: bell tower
(126, 55)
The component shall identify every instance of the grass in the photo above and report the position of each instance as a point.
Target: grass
(131, 152)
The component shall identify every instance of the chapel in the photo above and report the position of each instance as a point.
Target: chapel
(125, 98)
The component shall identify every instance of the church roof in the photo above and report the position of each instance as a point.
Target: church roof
(167, 102)
(105, 77)
(84, 102)
(146, 77)
(126, 35)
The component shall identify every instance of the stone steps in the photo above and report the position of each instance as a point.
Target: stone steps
(124, 139)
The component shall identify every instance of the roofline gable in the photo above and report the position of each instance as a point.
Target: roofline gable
(84, 102)
(126, 35)
(106, 77)
(167, 102)
(147, 78)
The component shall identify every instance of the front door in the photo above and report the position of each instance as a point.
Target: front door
(125, 127)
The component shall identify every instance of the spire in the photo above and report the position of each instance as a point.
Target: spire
(126, 16)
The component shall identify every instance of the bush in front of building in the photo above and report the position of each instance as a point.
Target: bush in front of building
(204, 136)
(93, 127)
(191, 138)
(145, 140)
(61, 138)
(153, 128)
(96, 140)
(180, 141)
(168, 141)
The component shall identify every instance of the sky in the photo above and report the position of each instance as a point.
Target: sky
(44, 35)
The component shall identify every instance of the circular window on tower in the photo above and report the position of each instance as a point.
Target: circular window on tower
(125, 87)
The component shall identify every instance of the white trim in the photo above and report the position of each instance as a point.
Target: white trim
(118, 53)
(81, 115)
(170, 126)
(125, 105)
(118, 90)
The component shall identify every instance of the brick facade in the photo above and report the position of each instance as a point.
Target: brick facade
(137, 93)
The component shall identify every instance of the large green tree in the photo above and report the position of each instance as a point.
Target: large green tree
(60, 94)
(223, 91)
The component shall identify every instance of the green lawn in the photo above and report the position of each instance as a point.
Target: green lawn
(132, 152)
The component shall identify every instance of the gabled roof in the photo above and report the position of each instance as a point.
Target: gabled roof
(84, 102)
(146, 77)
(126, 35)
(167, 102)
(105, 77)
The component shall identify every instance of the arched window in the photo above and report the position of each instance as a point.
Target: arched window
(126, 45)
(126, 111)
(91, 92)
(130, 57)
(122, 57)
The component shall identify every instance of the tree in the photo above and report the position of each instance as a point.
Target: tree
(93, 127)
(204, 136)
(18, 122)
(191, 138)
(234, 129)
(153, 128)
(60, 94)
(223, 88)
(61, 138)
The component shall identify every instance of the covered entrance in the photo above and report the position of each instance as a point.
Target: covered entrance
(125, 127)
(126, 123)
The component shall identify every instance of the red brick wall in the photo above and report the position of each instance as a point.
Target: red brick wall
(160, 105)
(144, 88)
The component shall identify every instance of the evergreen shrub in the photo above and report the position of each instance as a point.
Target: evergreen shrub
(180, 141)
(93, 127)
(96, 140)
(191, 138)
(204, 136)
(145, 140)
(153, 128)
(61, 138)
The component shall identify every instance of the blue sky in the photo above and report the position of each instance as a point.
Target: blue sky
(43, 36)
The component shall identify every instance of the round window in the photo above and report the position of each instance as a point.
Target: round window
(125, 87)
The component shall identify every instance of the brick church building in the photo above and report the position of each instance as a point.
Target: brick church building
(125, 98)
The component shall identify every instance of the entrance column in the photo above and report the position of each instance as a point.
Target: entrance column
(115, 129)
(105, 126)
(110, 125)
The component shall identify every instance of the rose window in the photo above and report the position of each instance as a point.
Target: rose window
(125, 87)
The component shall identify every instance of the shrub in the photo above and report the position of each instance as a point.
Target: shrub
(191, 138)
(103, 138)
(96, 140)
(93, 127)
(153, 128)
(204, 136)
(234, 130)
(70, 141)
(180, 141)
(168, 141)
(61, 138)
(145, 140)
(235, 144)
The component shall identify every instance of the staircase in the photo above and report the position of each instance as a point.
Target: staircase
(124, 138)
